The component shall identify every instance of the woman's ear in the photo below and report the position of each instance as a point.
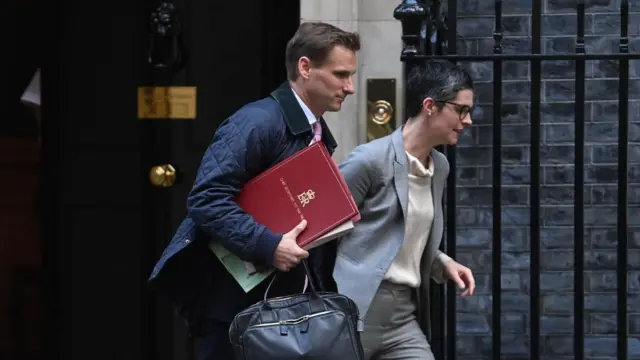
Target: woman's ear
(429, 106)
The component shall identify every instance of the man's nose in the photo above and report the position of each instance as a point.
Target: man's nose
(349, 88)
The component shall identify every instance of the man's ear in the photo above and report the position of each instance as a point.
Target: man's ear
(304, 67)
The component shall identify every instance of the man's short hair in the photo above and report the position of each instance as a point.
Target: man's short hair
(315, 40)
(438, 79)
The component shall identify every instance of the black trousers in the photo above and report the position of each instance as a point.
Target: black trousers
(214, 343)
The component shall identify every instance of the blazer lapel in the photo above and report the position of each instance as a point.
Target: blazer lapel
(437, 227)
(437, 186)
(400, 170)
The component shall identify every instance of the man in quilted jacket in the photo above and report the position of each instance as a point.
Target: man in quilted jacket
(320, 61)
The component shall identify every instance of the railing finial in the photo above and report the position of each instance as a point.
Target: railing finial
(411, 14)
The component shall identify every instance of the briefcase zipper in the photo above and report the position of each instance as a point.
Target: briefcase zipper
(281, 298)
(294, 321)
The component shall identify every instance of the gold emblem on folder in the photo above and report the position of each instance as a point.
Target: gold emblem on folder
(306, 197)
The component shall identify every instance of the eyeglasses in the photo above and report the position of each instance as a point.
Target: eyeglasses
(461, 109)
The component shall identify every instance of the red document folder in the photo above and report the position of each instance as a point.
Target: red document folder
(308, 185)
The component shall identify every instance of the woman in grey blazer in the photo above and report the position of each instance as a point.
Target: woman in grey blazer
(397, 182)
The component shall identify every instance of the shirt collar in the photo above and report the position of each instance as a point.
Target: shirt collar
(417, 168)
(310, 117)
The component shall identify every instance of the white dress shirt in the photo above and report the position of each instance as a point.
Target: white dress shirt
(310, 117)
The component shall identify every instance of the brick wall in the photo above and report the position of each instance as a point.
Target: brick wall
(474, 219)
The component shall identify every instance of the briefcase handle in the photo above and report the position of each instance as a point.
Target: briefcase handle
(316, 303)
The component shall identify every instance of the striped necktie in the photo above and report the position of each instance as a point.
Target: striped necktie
(317, 132)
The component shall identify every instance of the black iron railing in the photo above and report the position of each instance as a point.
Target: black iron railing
(427, 34)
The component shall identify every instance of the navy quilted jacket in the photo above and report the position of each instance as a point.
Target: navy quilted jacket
(256, 137)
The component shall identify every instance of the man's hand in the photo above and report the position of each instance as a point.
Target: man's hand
(288, 254)
(461, 275)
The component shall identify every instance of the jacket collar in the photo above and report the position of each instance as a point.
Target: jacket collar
(295, 118)
(398, 147)
(401, 156)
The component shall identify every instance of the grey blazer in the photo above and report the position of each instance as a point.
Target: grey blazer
(377, 174)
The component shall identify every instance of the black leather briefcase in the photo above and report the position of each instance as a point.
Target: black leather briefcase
(313, 325)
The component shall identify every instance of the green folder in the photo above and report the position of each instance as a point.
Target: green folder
(236, 267)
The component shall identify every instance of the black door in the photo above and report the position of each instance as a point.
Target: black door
(106, 223)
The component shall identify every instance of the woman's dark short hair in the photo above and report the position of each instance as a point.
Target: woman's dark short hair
(437, 79)
(315, 40)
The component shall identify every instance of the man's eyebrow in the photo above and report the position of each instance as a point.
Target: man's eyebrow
(343, 72)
